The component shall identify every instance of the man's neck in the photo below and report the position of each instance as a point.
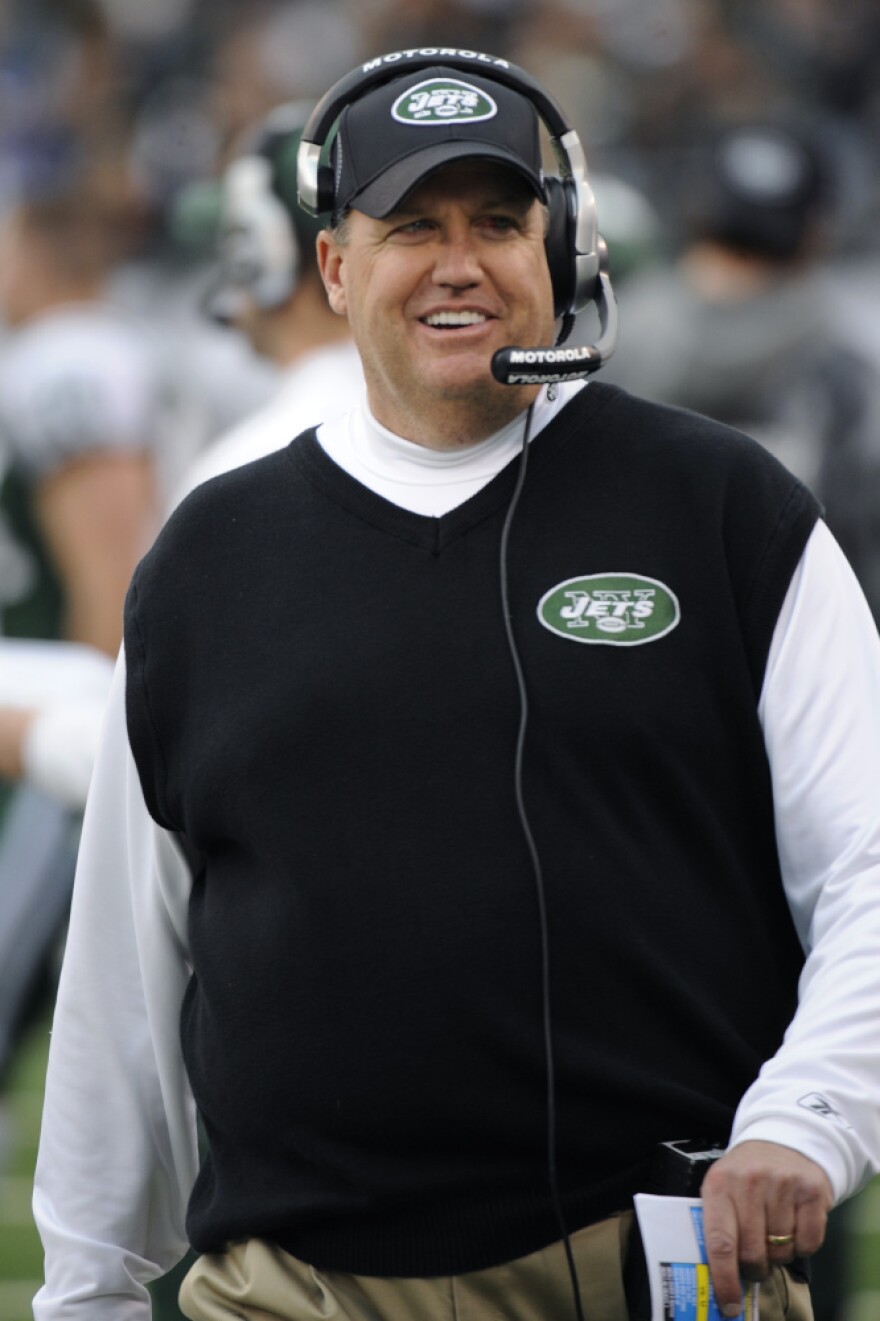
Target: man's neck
(307, 325)
(454, 424)
(49, 296)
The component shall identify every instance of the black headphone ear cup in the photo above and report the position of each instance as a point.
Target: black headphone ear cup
(326, 189)
(559, 244)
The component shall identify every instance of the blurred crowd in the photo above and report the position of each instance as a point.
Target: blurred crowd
(733, 148)
(137, 108)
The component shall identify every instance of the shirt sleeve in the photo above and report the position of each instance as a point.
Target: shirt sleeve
(820, 709)
(118, 1150)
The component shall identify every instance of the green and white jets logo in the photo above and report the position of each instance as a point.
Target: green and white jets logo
(620, 609)
(443, 101)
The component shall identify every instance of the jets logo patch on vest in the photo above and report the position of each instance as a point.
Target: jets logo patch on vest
(617, 609)
(443, 101)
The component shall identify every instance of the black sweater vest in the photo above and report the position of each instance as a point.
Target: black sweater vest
(322, 703)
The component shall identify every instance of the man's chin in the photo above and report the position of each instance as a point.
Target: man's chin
(472, 381)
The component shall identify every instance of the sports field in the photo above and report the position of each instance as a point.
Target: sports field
(21, 1256)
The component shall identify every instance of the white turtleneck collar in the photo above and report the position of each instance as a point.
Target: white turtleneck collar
(429, 481)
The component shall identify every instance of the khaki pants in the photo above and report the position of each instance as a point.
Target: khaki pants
(255, 1281)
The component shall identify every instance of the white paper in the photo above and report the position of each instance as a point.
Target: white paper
(672, 1234)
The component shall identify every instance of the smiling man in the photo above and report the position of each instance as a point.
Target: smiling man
(467, 830)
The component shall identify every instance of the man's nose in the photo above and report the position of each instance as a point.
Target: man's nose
(457, 260)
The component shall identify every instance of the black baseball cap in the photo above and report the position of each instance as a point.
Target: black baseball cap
(761, 187)
(388, 141)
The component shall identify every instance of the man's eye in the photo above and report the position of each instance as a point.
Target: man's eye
(500, 224)
(413, 227)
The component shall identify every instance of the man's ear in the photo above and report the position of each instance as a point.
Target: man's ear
(331, 256)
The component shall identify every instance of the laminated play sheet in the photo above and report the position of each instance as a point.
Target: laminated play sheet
(678, 1273)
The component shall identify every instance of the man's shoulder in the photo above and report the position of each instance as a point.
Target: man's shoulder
(671, 433)
(90, 342)
(74, 381)
(244, 506)
(688, 464)
(256, 437)
(235, 491)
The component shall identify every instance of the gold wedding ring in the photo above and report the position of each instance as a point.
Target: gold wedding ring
(780, 1240)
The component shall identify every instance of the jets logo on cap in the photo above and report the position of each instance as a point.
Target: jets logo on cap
(443, 101)
(622, 609)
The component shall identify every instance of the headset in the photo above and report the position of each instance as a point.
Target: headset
(263, 232)
(576, 253)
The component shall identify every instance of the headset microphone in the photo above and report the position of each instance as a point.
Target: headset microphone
(549, 366)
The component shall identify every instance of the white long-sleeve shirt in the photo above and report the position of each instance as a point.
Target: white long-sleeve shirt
(118, 1152)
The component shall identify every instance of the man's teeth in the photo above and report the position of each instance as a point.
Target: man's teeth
(455, 318)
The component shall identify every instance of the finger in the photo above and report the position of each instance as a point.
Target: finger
(796, 1212)
(781, 1247)
(781, 1225)
(721, 1235)
(747, 1197)
(812, 1223)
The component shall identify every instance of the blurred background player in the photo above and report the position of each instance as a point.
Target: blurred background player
(747, 326)
(268, 288)
(78, 403)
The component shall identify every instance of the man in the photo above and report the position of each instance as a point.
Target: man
(269, 288)
(443, 922)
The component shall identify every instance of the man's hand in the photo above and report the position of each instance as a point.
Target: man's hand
(760, 1190)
